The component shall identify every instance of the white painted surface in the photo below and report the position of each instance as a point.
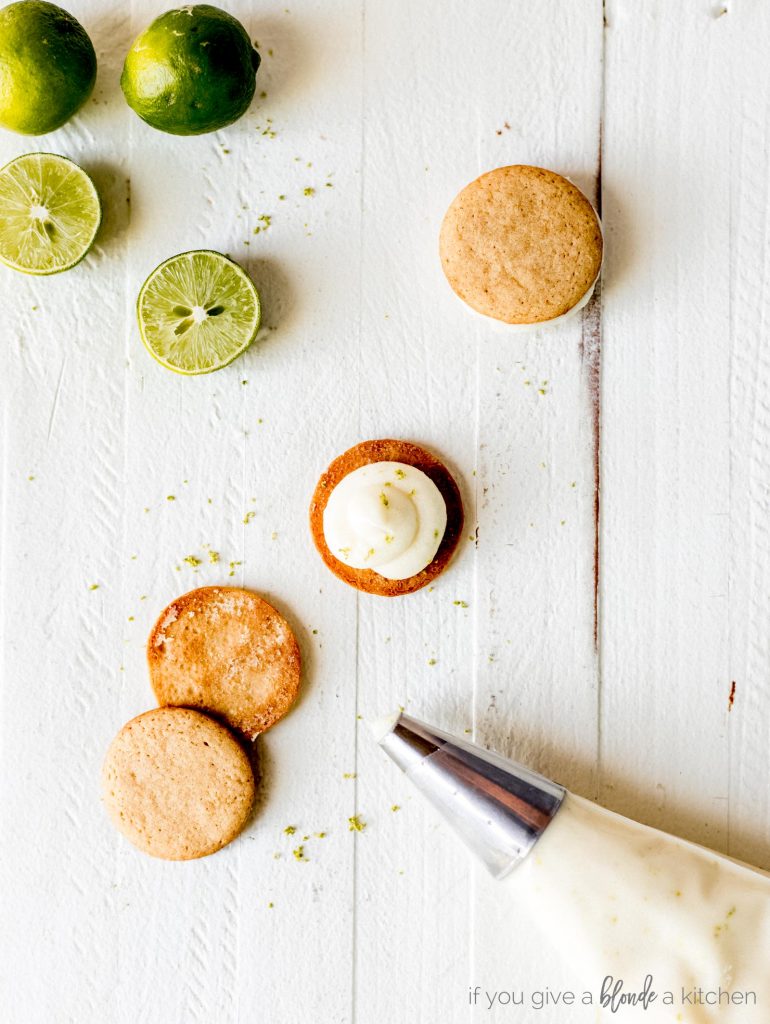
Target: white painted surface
(396, 106)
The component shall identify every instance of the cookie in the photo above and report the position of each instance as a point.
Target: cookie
(408, 454)
(226, 651)
(521, 244)
(177, 784)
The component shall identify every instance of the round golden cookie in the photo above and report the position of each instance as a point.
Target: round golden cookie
(409, 454)
(521, 244)
(177, 784)
(226, 651)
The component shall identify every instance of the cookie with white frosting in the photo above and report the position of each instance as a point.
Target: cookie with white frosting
(386, 517)
(521, 245)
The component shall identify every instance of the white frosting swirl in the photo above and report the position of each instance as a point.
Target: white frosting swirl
(385, 516)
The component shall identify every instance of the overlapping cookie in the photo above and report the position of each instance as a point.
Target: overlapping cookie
(225, 666)
(226, 651)
(177, 784)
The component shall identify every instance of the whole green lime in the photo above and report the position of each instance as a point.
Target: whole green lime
(47, 67)
(191, 71)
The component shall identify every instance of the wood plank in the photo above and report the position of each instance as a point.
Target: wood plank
(62, 522)
(417, 380)
(666, 402)
(748, 730)
(239, 454)
(537, 670)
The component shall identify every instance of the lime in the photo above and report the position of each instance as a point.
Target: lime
(49, 213)
(197, 311)
(191, 71)
(47, 67)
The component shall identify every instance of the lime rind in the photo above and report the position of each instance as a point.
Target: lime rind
(191, 71)
(197, 312)
(50, 213)
(47, 67)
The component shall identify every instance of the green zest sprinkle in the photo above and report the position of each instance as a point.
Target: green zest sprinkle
(396, 807)
(290, 830)
(249, 516)
(355, 824)
(309, 191)
(350, 775)
(384, 499)
(400, 474)
(170, 497)
(213, 557)
(460, 604)
(299, 853)
(94, 586)
(192, 560)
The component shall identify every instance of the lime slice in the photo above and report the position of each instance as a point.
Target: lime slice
(49, 213)
(197, 312)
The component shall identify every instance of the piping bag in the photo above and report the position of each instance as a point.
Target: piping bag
(657, 928)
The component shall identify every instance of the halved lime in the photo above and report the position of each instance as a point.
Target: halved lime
(198, 311)
(49, 213)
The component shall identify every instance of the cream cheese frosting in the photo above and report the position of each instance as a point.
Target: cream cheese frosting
(622, 901)
(387, 516)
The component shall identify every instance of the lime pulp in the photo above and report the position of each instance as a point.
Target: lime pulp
(197, 311)
(49, 213)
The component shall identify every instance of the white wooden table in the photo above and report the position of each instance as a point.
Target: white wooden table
(619, 689)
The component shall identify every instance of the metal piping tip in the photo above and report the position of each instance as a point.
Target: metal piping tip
(498, 808)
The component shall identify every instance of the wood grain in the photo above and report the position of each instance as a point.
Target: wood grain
(114, 471)
(666, 424)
